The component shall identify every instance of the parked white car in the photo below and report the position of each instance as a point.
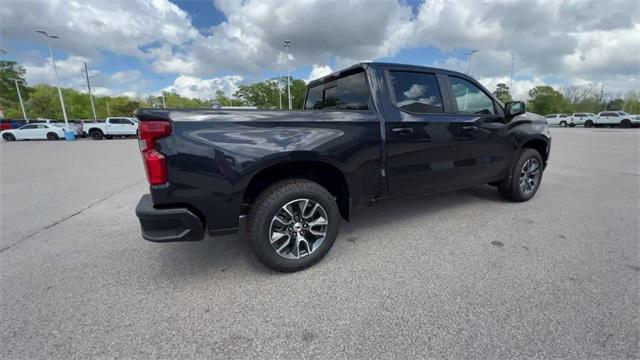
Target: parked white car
(38, 131)
(77, 128)
(614, 118)
(561, 120)
(581, 118)
(112, 126)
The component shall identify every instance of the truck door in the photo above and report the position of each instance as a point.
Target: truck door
(421, 149)
(115, 126)
(484, 145)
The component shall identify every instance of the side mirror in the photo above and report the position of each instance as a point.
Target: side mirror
(514, 108)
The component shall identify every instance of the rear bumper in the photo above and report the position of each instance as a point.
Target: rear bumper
(167, 225)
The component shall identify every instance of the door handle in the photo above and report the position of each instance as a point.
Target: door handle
(402, 130)
(469, 128)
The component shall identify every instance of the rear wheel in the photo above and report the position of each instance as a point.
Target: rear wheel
(563, 124)
(52, 136)
(526, 177)
(293, 224)
(8, 137)
(95, 134)
(626, 123)
(588, 124)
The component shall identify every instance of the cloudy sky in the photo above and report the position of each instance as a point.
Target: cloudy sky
(195, 47)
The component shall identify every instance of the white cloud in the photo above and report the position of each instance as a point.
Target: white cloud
(120, 26)
(572, 40)
(318, 71)
(69, 71)
(198, 88)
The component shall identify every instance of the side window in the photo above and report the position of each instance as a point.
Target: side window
(563, 116)
(416, 92)
(613, 114)
(469, 98)
(349, 92)
(28, 127)
(550, 116)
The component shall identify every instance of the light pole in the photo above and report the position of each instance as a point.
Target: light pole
(513, 60)
(164, 104)
(470, 54)
(287, 45)
(24, 113)
(93, 108)
(55, 70)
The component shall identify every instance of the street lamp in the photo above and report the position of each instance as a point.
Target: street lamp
(55, 70)
(24, 113)
(287, 45)
(470, 54)
(86, 74)
(164, 104)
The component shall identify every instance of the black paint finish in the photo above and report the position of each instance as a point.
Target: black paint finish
(384, 152)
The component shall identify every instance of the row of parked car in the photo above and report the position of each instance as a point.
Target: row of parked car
(605, 118)
(53, 130)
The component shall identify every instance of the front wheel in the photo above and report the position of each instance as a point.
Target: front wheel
(563, 124)
(52, 136)
(625, 123)
(8, 137)
(526, 177)
(293, 224)
(588, 124)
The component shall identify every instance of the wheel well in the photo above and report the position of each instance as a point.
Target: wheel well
(324, 174)
(539, 146)
(94, 129)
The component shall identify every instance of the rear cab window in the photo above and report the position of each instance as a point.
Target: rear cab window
(348, 92)
(415, 92)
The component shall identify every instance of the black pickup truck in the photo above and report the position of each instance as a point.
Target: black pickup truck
(368, 133)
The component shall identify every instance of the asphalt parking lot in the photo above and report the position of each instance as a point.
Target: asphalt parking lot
(460, 275)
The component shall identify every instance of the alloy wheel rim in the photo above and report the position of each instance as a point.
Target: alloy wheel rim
(298, 228)
(529, 176)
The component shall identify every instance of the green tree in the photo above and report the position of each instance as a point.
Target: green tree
(502, 93)
(9, 102)
(545, 100)
(615, 104)
(264, 95)
(632, 102)
(44, 103)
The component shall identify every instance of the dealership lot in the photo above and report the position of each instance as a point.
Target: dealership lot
(460, 275)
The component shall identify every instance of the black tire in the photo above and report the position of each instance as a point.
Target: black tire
(512, 190)
(572, 125)
(563, 124)
(626, 123)
(8, 137)
(588, 124)
(52, 136)
(267, 206)
(96, 134)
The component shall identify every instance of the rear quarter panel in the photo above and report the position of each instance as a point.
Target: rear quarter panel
(213, 155)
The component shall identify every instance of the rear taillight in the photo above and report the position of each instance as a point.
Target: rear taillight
(154, 162)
